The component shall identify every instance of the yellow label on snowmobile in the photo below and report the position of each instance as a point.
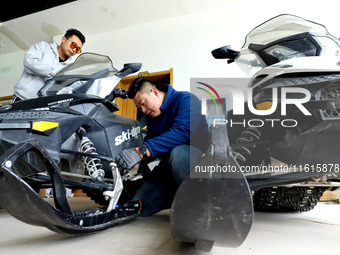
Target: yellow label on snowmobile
(44, 125)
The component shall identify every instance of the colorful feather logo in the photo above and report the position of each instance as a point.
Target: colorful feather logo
(209, 93)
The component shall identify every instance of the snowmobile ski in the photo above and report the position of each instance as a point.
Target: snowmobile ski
(24, 203)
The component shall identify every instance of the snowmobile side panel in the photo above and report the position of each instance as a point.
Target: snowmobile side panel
(21, 201)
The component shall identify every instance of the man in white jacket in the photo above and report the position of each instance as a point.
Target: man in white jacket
(43, 60)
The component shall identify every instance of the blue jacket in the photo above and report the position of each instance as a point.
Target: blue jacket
(180, 122)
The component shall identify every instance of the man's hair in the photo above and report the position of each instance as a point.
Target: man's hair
(140, 84)
(73, 31)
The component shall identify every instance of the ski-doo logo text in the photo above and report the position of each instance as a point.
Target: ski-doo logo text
(127, 135)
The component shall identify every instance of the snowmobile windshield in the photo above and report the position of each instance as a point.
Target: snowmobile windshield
(88, 63)
(285, 37)
(90, 73)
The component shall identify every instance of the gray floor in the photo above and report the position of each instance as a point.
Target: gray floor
(314, 232)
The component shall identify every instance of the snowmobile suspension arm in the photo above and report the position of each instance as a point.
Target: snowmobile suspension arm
(88, 185)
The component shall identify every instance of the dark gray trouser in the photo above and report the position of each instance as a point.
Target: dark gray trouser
(158, 190)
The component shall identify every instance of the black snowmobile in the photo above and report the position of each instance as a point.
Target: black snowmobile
(68, 138)
(288, 53)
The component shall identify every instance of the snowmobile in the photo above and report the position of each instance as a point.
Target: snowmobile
(289, 53)
(68, 138)
(291, 164)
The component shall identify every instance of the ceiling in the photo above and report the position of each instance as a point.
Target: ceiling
(11, 17)
(27, 7)
(22, 27)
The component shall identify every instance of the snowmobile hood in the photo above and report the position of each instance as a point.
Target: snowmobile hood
(58, 101)
(278, 39)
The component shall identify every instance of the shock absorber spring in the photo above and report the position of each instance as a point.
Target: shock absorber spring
(248, 136)
(93, 165)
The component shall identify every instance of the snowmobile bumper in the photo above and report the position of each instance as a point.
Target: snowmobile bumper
(213, 208)
(20, 200)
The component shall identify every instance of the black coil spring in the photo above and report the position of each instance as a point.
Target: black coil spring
(248, 138)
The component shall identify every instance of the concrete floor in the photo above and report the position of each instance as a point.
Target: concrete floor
(314, 232)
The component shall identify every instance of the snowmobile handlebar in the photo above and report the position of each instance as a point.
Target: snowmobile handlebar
(121, 93)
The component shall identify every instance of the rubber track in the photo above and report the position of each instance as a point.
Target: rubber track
(282, 199)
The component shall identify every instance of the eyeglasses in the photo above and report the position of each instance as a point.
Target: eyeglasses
(73, 46)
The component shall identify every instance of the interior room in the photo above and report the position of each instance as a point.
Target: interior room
(173, 40)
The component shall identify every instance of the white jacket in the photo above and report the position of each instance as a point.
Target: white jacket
(41, 63)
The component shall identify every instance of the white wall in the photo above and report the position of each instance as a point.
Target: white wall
(11, 66)
(185, 42)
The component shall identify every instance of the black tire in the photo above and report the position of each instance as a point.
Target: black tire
(282, 199)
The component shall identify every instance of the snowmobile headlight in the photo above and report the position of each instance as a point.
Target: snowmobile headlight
(266, 105)
(42, 126)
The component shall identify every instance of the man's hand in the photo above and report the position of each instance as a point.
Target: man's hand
(128, 158)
